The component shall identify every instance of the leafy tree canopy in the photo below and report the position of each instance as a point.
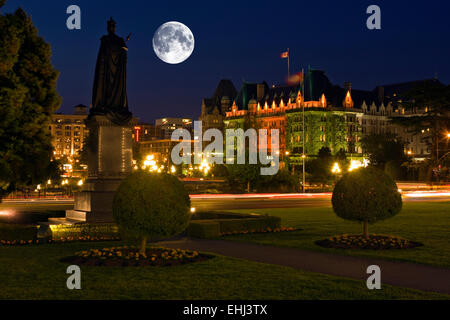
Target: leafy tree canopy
(150, 205)
(366, 195)
(28, 97)
(383, 148)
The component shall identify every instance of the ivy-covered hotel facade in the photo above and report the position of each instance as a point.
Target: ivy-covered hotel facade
(334, 117)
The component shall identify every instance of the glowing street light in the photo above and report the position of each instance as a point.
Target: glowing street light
(354, 164)
(80, 182)
(336, 168)
(204, 166)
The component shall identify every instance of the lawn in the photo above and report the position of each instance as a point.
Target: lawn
(35, 272)
(425, 222)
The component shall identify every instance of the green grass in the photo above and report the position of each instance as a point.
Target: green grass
(35, 272)
(425, 222)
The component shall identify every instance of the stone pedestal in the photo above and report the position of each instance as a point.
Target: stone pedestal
(110, 160)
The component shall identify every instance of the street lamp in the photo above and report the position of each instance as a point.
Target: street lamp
(354, 164)
(336, 169)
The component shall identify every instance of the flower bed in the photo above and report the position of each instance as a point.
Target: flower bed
(281, 229)
(130, 256)
(58, 240)
(374, 242)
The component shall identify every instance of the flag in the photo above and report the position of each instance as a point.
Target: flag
(285, 54)
(295, 78)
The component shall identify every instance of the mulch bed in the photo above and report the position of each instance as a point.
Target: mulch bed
(375, 242)
(129, 256)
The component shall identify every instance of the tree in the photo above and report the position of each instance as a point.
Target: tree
(28, 98)
(282, 181)
(366, 195)
(320, 168)
(151, 205)
(383, 148)
(246, 175)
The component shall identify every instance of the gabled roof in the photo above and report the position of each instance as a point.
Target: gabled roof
(225, 88)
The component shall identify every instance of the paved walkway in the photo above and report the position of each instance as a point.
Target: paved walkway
(415, 276)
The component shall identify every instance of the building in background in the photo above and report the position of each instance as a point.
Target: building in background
(335, 117)
(69, 132)
(214, 109)
(145, 132)
(166, 126)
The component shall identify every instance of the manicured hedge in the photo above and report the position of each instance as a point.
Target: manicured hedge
(204, 229)
(83, 230)
(214, 227)
(17, 232)
(249, 224)
(204, 215)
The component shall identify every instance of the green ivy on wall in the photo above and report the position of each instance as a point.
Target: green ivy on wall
(323, 128)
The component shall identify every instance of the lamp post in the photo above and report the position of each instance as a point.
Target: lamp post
(336, 170)
(303, 116)
(438, 159)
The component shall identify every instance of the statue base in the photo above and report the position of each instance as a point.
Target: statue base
(110, 160)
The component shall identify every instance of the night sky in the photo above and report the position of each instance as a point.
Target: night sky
(242, 40)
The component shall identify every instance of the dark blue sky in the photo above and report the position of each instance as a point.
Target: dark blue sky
(242, 40)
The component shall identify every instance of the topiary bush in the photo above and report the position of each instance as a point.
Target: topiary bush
(148, 205)
(367, 195)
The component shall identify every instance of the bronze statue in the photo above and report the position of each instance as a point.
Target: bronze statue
(109, 95)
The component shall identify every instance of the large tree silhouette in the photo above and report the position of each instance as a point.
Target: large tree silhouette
(28, 98)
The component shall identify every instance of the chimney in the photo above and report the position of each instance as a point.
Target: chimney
(380, 94)
(348, 86)
(260, 91)
(80, 109)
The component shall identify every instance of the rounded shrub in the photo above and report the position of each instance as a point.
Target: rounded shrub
(366, 195)
(148, 205)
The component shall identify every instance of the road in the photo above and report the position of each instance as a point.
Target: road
(230, 202)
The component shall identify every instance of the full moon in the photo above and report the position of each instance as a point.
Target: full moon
(173, 42)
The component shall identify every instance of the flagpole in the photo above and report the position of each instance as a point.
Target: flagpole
(288, 62)
(303, 140)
